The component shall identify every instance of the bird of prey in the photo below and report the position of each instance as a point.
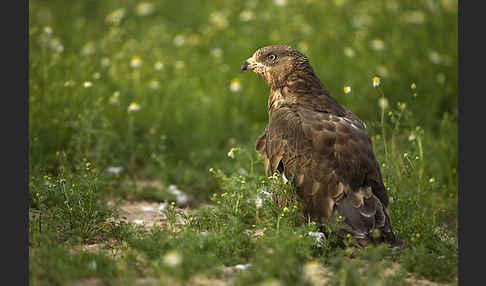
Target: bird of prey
(322, 146)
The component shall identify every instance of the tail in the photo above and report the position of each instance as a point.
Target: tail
(366, 221)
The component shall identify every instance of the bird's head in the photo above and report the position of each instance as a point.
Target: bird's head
(276, 63)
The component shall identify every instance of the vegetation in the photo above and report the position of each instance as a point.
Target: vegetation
(128, 92)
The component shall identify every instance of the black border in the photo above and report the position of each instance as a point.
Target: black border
(16, 123)
(471, 143)
(15, 119)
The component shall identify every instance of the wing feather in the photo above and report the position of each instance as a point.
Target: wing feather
(331, 158)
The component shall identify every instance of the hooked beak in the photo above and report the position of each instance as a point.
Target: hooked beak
(244, 66)
(249, 64)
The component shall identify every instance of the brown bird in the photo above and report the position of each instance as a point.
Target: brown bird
(322, 146)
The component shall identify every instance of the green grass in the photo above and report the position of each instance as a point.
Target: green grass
(90, 62)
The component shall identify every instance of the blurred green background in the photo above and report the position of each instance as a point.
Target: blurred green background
(155, 87)
(127, 93)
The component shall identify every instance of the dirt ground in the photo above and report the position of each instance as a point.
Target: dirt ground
(149, 214)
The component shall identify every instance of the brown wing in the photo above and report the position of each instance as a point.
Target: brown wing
(331, 161)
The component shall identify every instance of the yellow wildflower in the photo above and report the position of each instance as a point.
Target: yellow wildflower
(347, 89)
(376, 81)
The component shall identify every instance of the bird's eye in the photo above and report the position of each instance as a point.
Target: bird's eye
(272, 57)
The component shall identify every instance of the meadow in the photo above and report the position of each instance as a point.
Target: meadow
(144, 102)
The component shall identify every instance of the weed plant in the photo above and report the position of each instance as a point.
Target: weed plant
(126, 93)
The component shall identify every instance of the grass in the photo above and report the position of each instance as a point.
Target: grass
(125, 93)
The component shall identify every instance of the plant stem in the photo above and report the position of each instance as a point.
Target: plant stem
(383, 122)
(421, 169)
(383, 132)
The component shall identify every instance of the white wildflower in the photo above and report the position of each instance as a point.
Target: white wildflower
(154, 84)
(376, 81)
(246, 15)
(182, 221)
(377, 45)
(159, 65)
(218, 19)
(162, 207)
(136, 62)
(133, 107)
(87, 84)
(284, 178)
(414, 17)
(116, 16)
(443, 234)
(138, 221)
(217, 52)
(383, 103)
(56, 45)
(148, 208)
(114, 169)
(172, 258)
(47, 30)
(349, 52)
(88, 49)
(265, 193)
(105, 62)
(434, 57)
(347, 89)
(319, 237)
(235, 85)
(181, 197)
(114, 97)
(179, 40)
(69, 83)
(231, 152)
(258, 202)
(242, 266)
(144, 8)
(362, 20)
(280, 3)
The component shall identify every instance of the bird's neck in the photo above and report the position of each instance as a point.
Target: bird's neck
(301, 87)
(304, 81)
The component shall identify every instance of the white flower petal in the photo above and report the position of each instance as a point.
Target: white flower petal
(242, 266)
(138, 221)
(148, 208)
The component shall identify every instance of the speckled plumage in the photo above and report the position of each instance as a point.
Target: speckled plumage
(322, 146)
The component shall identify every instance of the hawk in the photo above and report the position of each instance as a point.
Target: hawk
(322, 146)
